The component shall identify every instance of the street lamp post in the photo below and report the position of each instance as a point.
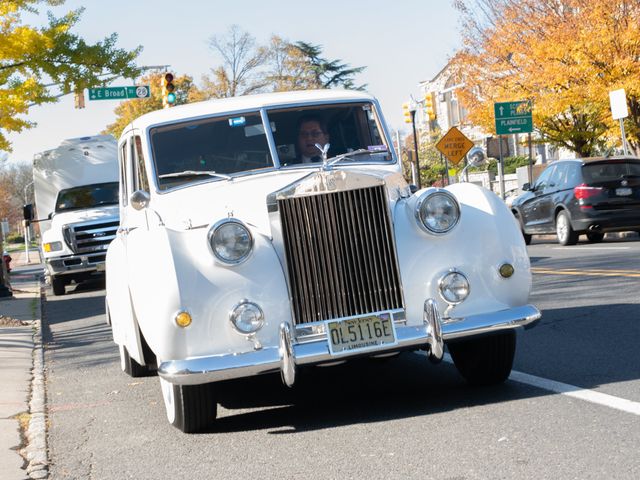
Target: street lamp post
(415, 144)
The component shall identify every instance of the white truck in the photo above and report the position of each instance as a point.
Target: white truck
(76, 197)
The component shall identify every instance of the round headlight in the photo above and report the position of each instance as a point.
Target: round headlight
(231, 241)
(454, 287)
(438, 212)
(247, 317)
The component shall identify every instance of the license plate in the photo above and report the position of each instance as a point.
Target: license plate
(623, 192)
(362, 333)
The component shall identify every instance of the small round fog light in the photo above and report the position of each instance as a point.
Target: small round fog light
(183, 319)
(506, 270)
(454, 287)
(247, 317)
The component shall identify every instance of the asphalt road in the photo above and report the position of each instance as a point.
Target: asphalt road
(401, 418)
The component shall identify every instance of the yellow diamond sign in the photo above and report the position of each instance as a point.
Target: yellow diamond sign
(454, 145)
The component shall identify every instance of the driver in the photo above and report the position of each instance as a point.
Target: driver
(311, 130)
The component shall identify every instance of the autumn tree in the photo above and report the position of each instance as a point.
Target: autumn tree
(563, 55)
(129, 110)
(39, 64)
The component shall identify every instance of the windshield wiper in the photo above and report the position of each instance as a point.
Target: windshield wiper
(338, 158)
(190, 173)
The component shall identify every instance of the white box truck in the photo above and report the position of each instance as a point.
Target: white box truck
(76, 199)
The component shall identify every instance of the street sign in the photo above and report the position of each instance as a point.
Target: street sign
(618, 102)
(513, 117)
(120, 93)
(454, 145)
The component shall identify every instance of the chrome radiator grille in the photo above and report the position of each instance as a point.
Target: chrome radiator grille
(92, 236)
(340, 254)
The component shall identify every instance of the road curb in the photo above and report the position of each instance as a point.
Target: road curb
(35, 452)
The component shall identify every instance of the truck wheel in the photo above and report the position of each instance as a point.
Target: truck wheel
(565, 232)
(131, 367)
(485, 360)
(190, 408)
(57, 284)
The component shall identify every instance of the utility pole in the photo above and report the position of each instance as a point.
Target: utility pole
(415, 144)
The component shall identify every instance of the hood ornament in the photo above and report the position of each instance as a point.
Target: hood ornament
(324, 150)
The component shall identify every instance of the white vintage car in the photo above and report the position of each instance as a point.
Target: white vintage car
(240, 254)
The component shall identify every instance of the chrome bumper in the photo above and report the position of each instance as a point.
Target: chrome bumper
(74, 264)
(287, 356)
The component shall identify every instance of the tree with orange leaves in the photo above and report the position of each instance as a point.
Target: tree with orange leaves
(563, 55)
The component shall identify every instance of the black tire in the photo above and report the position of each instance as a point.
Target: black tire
(485, 360)
(131, 367)
(565, 232)
(526, 236)
(57, 284)
(595, 237)
(194, 407)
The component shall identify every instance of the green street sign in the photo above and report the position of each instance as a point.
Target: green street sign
(513, 117)
(120, 93)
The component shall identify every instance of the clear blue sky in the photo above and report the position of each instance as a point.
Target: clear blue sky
(401, 43)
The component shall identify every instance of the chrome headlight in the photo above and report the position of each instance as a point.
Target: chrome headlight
(437, 212)
(230, 241)
(454, 287)
(247, 317)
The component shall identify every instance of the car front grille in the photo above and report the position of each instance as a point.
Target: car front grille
(340, 254)
(92, 236)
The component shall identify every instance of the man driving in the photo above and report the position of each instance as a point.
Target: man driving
(311, 130)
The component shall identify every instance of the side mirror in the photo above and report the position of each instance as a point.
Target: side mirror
(413, 188)
(50, 216)
(27, 213)
(139, 199)
(526, 187)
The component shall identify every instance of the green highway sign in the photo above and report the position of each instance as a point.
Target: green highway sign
(513, 117)
(120, 93)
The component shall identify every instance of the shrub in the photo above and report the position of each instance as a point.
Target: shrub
(14, 237)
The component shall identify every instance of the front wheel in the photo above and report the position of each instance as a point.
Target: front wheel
(485, 360)
(57, 284)
(565, 232)
(190, 408)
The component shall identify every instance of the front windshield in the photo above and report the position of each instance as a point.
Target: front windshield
(216, 149)
(87, 196)
(346, 128)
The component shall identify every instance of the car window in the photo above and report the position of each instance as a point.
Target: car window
(574, 178)
(609, 171)
(544, 178)
(184, 152)
(344, 127)
(559, 175)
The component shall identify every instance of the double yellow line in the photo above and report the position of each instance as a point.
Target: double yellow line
(592, 272)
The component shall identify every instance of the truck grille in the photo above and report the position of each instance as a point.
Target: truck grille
(91, 237)
(340, 254)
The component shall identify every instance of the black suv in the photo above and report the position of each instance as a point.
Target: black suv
(586, 195)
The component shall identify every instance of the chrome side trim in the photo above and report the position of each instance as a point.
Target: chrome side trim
(287, 356)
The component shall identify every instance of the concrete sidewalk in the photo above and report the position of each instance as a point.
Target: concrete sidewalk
(22, 403)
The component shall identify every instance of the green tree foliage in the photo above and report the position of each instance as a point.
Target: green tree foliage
(39, 64)
(129, 110)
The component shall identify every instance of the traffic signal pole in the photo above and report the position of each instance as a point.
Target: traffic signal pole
(415, 146)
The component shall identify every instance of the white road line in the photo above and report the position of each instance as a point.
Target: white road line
(590, 248)
(591, 396)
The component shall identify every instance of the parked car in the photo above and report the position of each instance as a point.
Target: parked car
(588, 196)
(239, 253)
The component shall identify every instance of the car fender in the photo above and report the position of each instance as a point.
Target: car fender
(486, 236)
(174, 270)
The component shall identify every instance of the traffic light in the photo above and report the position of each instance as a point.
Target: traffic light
(168, 90)
(429, 109)
(406, 111)
(78, 99)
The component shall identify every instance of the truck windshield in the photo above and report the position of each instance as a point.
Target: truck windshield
(87, 196)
